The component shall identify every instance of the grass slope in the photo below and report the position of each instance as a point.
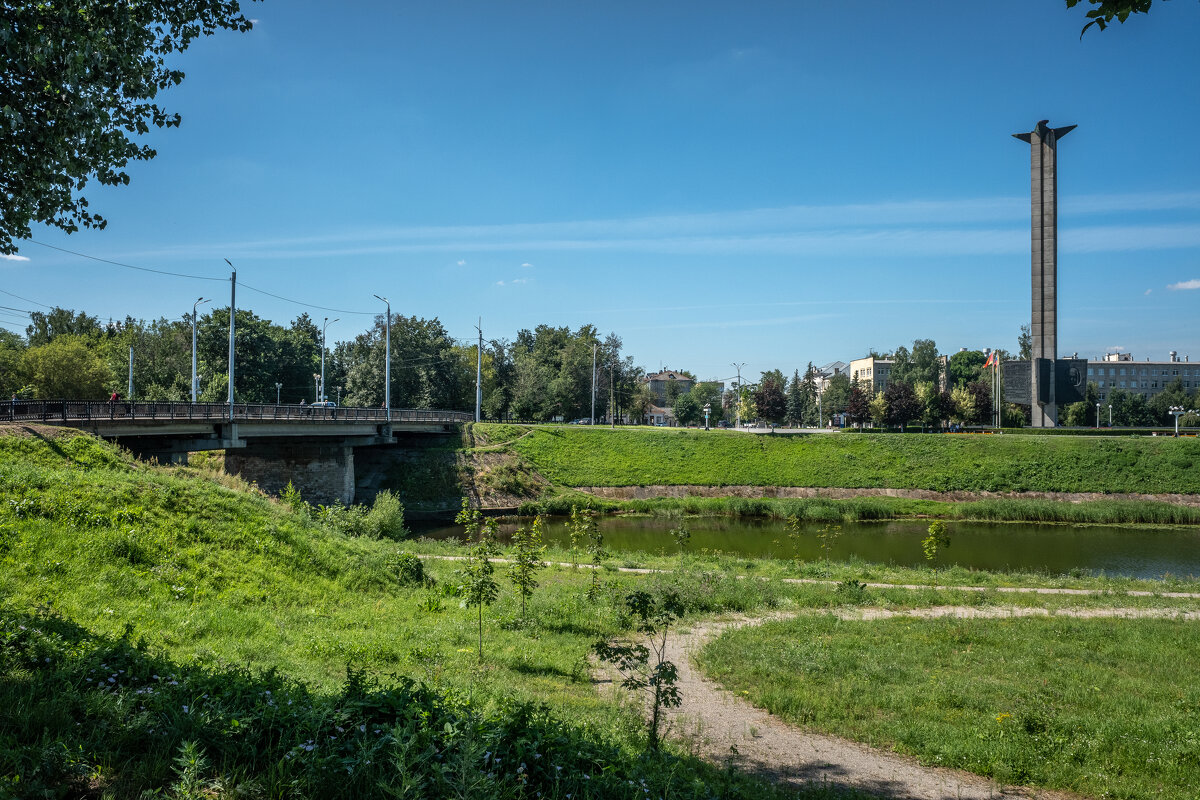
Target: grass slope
(170, 630)
(1008, 463)
(1102, 707)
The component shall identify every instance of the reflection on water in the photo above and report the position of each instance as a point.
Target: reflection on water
(1055, 549)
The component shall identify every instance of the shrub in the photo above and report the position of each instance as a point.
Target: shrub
(385, 520)
(408, 568)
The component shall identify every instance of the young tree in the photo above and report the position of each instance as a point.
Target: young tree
(527, 560)
(580, 527)
(79, 81)
(479, 587)
(964, 405)
(938, 539)
(1025, 343)
(646, 668)
(596, 551)
(879, 408)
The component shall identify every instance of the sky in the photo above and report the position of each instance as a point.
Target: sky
(770, 183)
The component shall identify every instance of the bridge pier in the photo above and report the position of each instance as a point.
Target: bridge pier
(322, 471)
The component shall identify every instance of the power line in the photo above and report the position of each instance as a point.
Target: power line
(128, 266)
(310, 305)
(26, 299)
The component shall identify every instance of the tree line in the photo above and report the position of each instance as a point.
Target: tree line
(540, 375)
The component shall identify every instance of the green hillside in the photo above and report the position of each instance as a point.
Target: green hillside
(172, 630)
(572, 457)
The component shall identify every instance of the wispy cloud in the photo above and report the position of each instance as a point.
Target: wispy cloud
(963, 226)
(13, 257)
(1148, 291)
(1193, 284)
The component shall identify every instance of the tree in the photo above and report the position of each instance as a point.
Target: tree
(964, 367)
(66, 368)
(44, 326)
(78, 84)
(938, 539)
(479, 587)
(1108, 10)
(858, 405)
(795, 400)
(770, 400)
(836, 395)
(903, 406)
(527, 560)
(920, 366)
(1025, 344)
(687, 410)
(878, 408)
(964, 405)
(654, 617)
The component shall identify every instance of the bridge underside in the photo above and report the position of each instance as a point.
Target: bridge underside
(316, 458)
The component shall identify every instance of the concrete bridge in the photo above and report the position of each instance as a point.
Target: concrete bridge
(312, 447)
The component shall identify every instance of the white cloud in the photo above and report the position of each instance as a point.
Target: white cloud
(462, 262)
(527, 265)
(1148, 291)
(499, 283)
(1193, 284)
(520, 280)
(13, 257)
(1116, 348)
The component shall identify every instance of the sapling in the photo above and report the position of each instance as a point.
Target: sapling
(527, 560)
(681, 535)
(596, 550)
(479, 587)
(644, 667)
(578, 528)
(470, 518)
(937, 539)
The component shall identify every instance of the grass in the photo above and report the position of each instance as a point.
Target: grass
(1093, 512)
(1102, 707)
(239, 604)
(577, 456)
(254, 649)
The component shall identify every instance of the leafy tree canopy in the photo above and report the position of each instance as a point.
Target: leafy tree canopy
(1106, 11)
(78, 84)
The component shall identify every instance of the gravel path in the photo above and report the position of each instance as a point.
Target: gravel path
(726, 729)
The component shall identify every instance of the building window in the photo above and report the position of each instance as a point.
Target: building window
(1122, 370)
(1122, 382)
(1091, 372)
(1101, 384)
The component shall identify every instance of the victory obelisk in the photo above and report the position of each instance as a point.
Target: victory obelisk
(1043, 173)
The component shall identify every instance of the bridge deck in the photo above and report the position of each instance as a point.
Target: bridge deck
(134, 418)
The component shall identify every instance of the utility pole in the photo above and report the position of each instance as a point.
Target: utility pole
(387, 360)
(593, 383)
(278, 387)
(130, 392)
(738, 407)
(612, 393)
(232, 314)
(195, 379)
(479, 372)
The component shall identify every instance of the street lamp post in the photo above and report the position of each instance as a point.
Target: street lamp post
(316, 386)
(738, 407)
(321, 392)
(339, 400)
(707, 409)
(1177, 412)
(232, 316)
(1110, 415)
(195, 380)
(278, 389)
(387, 360)
(1097, 416)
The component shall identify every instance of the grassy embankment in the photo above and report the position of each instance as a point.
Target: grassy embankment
(169, 629)
(1102, 707)
(580, 457)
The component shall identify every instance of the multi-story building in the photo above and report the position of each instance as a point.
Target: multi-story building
(822, 374)
(870, 373)
(1146, 378)
(658, 384)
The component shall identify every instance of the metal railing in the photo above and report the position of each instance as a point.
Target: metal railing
(100, 411)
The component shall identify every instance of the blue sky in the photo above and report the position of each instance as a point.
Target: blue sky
(769, 183)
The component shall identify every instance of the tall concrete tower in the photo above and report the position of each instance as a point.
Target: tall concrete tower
(1043, 178)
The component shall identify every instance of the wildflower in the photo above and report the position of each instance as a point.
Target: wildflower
(1001, 717)
(185, 709)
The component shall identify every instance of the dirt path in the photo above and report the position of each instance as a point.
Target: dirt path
(723, 728)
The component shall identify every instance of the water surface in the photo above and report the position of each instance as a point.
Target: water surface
(1053, 549)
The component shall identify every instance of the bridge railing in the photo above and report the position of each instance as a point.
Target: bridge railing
(60, 411)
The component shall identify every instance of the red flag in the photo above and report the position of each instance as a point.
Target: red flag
(991, 360)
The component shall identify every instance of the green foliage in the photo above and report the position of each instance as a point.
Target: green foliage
(681, 535)
(938, 539)
(478, 586)
(409, 569)
(80, 78)
(527, 560)
(687, 410)
(385, 520)
(1106, 11)
(644, 667)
